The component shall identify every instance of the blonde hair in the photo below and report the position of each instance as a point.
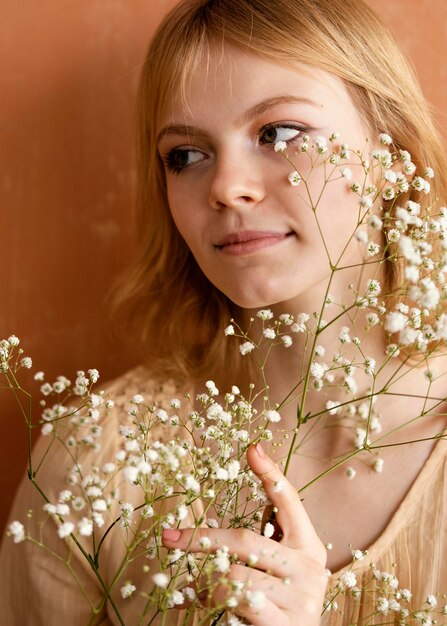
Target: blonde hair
(177, 315)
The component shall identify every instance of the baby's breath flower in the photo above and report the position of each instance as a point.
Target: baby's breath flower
(348, 579)
(317, 370)
(373, 248)
(127, 590)
(65, 529)
(205, 543)
(16, 530)
(255, 599)
(344, 151)
(269, 333)
(26, 362)
(332, 407)
(252, 559)
(385, 139)
(395, 321)
(346, 173)
(343, 335)
(280, 146)
(294, 179)
(431, 601)
(278, 486)
(269, 530)
(229, 330)
(383, 605)
(273, 416)
(361, 236)
(366, 202)
(393, 235)
(350, 473)
(321, 144)
(189, 594)
(265, 314)
(286, 341)
(370, 365)
(221, 560)
(13, 341)
(85, 527)
(378, 465)
(160, 580)
(246, 347)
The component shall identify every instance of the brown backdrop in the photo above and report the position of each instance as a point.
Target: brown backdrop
(68, 76)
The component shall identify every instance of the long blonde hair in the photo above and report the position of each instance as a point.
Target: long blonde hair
(174, 313)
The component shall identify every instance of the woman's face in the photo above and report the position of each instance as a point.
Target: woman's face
(252, 233)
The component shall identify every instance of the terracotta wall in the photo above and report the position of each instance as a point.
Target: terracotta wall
(68, 76)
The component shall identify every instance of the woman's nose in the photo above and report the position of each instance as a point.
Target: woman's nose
(236, 183)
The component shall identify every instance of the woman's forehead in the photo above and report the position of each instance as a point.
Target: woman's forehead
(235, 78)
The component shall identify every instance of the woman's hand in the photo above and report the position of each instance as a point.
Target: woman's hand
(290, 573)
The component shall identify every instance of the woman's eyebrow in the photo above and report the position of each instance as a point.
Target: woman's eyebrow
(269, 103)
(255, 111)
(179, 129)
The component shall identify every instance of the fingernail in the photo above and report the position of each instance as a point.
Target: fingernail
(260, 451)
(171, 534)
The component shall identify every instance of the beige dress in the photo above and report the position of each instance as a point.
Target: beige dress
(38, 588)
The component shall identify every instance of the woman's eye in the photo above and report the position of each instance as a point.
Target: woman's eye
(272, 134)
(178, 159)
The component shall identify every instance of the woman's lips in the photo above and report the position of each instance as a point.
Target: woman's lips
(246, 242)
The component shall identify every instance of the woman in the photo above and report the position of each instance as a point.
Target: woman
(225, 234)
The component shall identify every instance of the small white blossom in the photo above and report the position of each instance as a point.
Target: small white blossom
(393, 235)
(350, 473)
(286, 341)
(348, 579)
(395, 321)
(280, 146)
(17, 531)
(255, 599)
(160, 580)
(269, 530)
(273, 416)
(65, 529)
(361, 236)
(431, 601)
(246, 347)
(229, 330)
(269, 333)
(205, 543)
(317, 370)
(222, 561)
(127, 590)
(378, 465)
(85, 527)
(265, 314)
(383, 606)
(385, 139)
(294, 179)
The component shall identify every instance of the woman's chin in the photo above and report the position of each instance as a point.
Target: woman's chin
(254, 300)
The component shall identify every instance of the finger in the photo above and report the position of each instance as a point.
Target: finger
(291, 516)
(246, 545)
